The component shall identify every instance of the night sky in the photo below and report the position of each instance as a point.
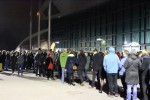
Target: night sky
(14, 22)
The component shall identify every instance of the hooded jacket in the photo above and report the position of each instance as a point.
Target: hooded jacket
(111, 62)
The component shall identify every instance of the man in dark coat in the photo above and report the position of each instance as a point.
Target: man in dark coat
(81, 62)
(97, 67)
(13, 62)
(145, 74)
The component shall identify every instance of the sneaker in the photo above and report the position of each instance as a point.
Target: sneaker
(82, 84)
(110, 95)
(116, 95)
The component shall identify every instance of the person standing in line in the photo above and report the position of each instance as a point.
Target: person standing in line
(71, 61)
(87, 67)
(132, 66)
(97, 68)
(63, 60)
(49, 71)
(145, 74)
(13, 62)
(7, 60)
(20, 61)
(111, 65)
(82, 60)
(122, 71)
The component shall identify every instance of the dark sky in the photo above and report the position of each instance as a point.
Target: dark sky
(14, 22)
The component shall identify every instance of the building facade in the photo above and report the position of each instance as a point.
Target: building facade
(123, 24)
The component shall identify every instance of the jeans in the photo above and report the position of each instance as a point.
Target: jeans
(86, 78)
(7, 64)
(20, 68)
(63, 75)
(129, 87)
(145, 87)
(112, 82)
(80, 74)
(95, 73)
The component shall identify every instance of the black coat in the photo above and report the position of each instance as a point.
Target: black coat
(82, 60)
(97, 61)
(145, 68)
(132, 66)
(71, 61)
(48, 60)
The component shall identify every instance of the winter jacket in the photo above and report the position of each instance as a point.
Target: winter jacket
(132, 65)
(71, 61)
(111, 62)
(145, 72)
(47, 61)
(82, 60)
(63, 59)
(97, 61)
(20, 59)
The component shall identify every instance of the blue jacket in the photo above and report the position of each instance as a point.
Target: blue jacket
(111, 62)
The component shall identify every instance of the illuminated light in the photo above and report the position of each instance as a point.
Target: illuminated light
(99, 39)
(57, 42)
(125, 42)
(38, 14)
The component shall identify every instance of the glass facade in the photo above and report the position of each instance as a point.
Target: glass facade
(122, 24)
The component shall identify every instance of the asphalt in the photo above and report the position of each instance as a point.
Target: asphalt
(30, 87)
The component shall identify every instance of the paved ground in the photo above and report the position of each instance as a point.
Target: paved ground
(29, 87)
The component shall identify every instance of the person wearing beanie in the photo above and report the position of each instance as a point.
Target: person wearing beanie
(111, 65)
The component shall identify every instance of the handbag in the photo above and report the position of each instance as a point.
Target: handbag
(50, 66)
(74, 67)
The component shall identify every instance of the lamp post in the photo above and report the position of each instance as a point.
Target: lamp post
(49, 24)
(30, 41)
(39, 24)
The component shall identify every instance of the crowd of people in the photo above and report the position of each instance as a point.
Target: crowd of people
(133, 68)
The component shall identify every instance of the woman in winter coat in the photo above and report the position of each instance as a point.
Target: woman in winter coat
(132, 65)
(145, 74)
(49, 71)
(71, 61)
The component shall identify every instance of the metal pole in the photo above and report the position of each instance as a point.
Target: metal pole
(39, 26)
(49, 25)
(30, 41)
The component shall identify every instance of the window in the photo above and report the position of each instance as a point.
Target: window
(119, 39)
(135, 37)
(148, 37)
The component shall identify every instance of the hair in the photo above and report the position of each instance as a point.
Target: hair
(126, 52)
(144, 53)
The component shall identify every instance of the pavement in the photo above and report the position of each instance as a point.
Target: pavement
(30, 87)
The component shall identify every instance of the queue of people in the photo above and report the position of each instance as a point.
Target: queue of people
(133, 68)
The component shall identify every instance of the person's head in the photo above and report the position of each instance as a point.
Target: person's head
(95, 51)
(133, 52)
(86, 54)
(48, 54)
(125, 53)
(111, 50)
(105, 52)
(81, 51)
(144, 53)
